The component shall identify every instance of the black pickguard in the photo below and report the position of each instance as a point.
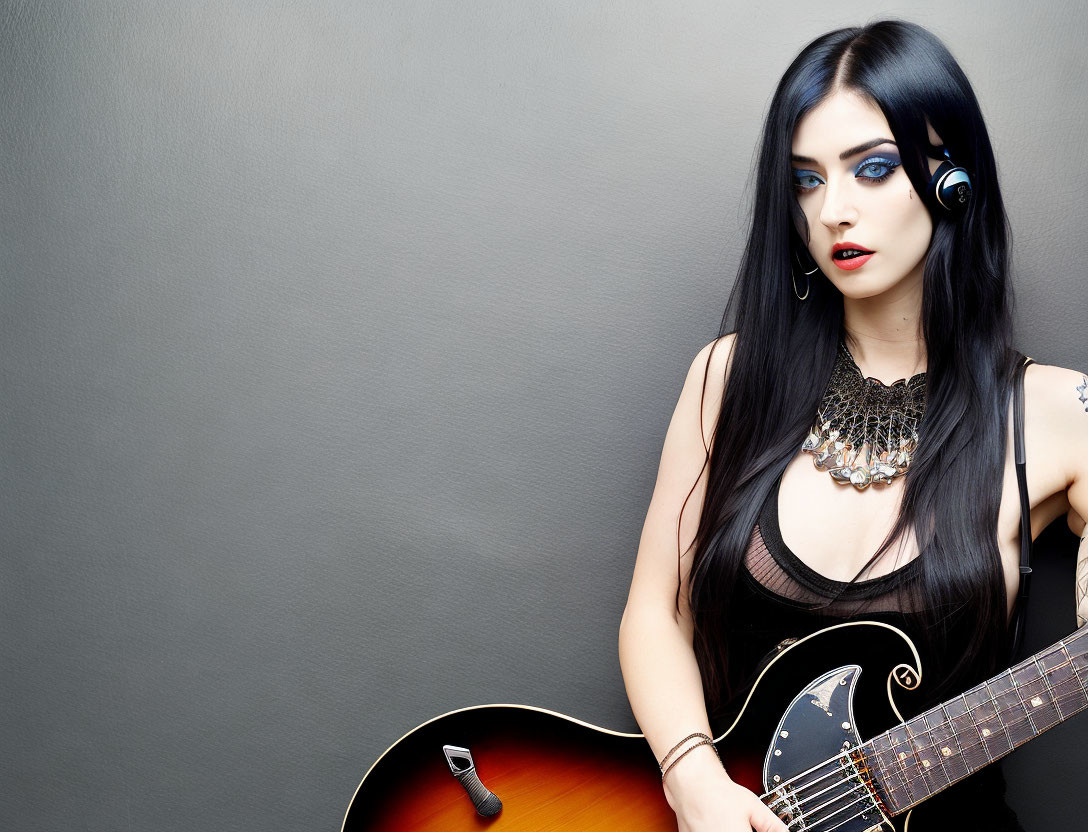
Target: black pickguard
(814, 699)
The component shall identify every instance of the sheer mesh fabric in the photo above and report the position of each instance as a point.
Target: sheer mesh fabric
(778, 596)
(780, 572)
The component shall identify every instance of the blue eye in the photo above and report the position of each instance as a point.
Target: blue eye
(868, 171)
(878, 162)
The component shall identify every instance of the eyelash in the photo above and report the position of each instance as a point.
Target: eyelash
(881, 162)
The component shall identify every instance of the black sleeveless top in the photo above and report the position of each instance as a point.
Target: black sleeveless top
(773, 599)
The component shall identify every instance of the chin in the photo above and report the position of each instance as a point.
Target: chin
(859, 288)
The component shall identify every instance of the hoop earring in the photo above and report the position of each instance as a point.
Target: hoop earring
(808, 281)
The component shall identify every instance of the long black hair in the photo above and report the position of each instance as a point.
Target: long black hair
(785, 349)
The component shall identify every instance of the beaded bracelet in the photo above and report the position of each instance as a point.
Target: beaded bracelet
(661, 763)
(706, 741)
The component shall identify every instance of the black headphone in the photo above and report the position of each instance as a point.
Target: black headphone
(950, 187)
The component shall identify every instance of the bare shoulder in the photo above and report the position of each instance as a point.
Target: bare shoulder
(1056, 422)
(710, 370)
(1058, 399)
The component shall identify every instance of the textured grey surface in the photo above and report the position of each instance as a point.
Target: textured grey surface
(337, 346)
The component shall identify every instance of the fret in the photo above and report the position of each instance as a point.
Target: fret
(891, 779)
(947, 744)
(1019, 694)
(1069, 694)
(1010, 707)
(1050, 707)
(927, 758)
(1077, 650)
(1036, 695)
(924, 755)
(1065, 672)
(1054, 651)
(967, 734)
(908, 763)
(984, 712)
(1077, 644)
(934, 719)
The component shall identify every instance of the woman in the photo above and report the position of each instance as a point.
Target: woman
(747, 542)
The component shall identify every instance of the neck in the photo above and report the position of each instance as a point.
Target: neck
(926, 754)
(884, 334)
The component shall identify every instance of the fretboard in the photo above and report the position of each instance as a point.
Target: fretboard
(924, 755)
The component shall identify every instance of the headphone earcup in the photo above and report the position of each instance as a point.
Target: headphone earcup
(950, 187)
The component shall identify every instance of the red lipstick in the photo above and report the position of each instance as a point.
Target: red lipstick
(853, 262)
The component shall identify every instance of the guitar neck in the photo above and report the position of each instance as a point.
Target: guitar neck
(918, 758)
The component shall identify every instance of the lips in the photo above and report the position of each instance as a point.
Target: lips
(853, 262)
(849, 249)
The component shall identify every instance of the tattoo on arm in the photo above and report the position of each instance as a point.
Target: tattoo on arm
(1082, 556)
(1082, 583)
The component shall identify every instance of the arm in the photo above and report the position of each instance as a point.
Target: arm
(657, 659)
(1068, 406)
(659, 668)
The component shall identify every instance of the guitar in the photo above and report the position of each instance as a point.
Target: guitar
(793, 737)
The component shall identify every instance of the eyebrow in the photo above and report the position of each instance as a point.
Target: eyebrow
(846, 154)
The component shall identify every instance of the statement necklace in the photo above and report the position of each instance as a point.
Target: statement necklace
(865, 431)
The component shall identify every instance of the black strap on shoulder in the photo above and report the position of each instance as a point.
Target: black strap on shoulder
(1025, 507)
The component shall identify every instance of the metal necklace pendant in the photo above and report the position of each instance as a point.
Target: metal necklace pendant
(865, 431)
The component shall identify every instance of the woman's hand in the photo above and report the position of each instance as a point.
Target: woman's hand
(707, 799)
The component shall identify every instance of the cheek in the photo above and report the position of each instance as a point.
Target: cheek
(915, 226)
(900, 220)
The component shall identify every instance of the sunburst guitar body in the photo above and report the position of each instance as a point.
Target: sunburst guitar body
(828, 734)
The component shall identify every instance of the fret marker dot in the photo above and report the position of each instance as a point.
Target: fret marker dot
(946, 751)
(985, 732)
(846, 725)
(784, 734)
(778, 752)
(925, 763)
(902, 755)
(1036, 701)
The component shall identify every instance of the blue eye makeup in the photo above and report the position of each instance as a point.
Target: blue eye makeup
(873, 170)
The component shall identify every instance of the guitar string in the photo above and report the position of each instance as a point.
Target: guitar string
(993, 700)
(1062, 646)
(807, 823)
(1056, 701)
(806, 816)
(841, 781)
(808, 820)
(963, 750)
(988, 702)
(915, 794)
(803, 817)
(983, 742)
(1019, 708)
(841, 823)
(836, 784)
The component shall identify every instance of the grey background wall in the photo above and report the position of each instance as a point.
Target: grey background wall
(338, 344)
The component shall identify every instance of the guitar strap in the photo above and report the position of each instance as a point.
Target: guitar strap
(1025, 508)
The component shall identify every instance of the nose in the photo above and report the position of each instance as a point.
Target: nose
(838, 208)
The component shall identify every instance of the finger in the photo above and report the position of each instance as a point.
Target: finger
(764, 820)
